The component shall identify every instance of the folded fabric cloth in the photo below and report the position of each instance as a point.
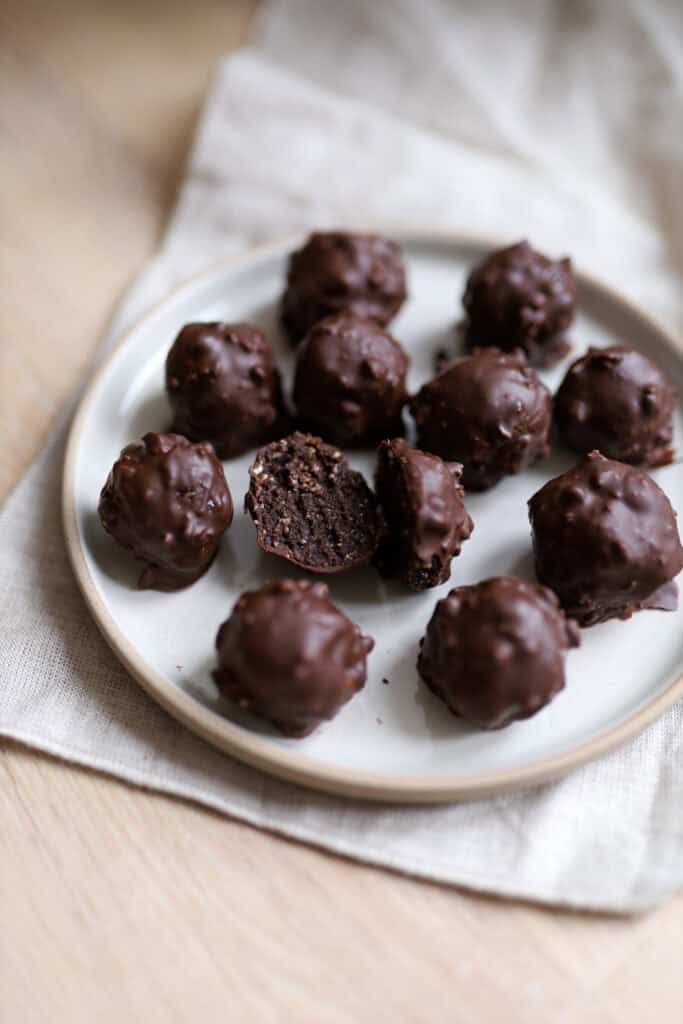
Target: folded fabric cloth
(607, 836)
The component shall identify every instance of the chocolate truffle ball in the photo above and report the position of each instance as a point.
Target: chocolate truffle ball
(338, 271)
(223, 386)
(493, 652)
(290, 656)
(167, 501)
(350, 381)
(619, 402)
(606, 541)
(488, 411)
(426, 521)
(519, 298)
(310, 508)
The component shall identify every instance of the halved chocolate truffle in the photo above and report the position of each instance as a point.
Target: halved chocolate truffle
(518, 298)
(167, 501)
(488, 411)
(223, 387)
(494, 652)
(606, 541)
(619, 402)
(290, 656)
(310, 508)
(350, 381)
(339, 271)
(426, 521)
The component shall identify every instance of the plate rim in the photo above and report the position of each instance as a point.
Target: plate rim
(255, 750)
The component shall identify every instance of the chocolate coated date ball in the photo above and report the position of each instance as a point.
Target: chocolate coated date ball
(519, 298)
(223, 387)
(289, 655)
(339, 271)
(167, 502)
(605, 540)
(494, 652)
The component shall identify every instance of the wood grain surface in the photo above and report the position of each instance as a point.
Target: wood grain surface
(121, 905)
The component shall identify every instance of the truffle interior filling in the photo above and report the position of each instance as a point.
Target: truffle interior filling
(309, 503)
(393, 496)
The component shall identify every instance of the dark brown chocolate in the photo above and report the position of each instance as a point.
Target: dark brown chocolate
(605, 540)
(167, 501)
(310, 508)
(426, 520)
(223, 387)
(338, 271)
(488, 411)
(518, 298)
(617, 401)
(290, 656)
(350, 381)
(493, 652)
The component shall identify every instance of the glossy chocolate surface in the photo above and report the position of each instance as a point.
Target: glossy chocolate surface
(619, 402)
(519, 298)
(167, 502)
(350, 381)
(426, 520)
(605, 540)
(488, 411)
(223, 386)
(494, 652)
(339, 271)
(289, 655)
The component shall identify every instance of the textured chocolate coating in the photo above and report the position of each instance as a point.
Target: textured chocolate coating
(337, 271)
(518, 298)
(290, 656)
(605, 540)
(223, 387)
(167, 501)
(494, 651)
(488, 411)
(619, 402)
(426, 520)
(310, 508)
(350, 381)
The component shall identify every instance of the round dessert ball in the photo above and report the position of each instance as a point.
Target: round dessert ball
(426, 520)
(619, 402)
(605, 540)
(338, 270)
(519, 298)
(493, 652)
(488, 411)
(167, 501)
(223, 386)
(290, 656)
(350, 381)
(310, 508)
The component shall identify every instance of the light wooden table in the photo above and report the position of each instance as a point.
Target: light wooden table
(119, 905)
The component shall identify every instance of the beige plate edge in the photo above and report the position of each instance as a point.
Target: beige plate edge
(261, 753)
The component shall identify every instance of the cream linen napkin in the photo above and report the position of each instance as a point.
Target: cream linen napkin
(275, 152)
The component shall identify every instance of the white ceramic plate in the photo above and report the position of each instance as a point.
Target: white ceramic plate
(395, 740)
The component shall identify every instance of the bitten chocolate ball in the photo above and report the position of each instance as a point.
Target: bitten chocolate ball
(426, 521)
(338, 271)
(167, 501)
(617, 401)
(290, 656)
(310, 508)
(493, 652)
(223, 387)
(518, 298)
(488, 411)
(605, 540)
(350, 381)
